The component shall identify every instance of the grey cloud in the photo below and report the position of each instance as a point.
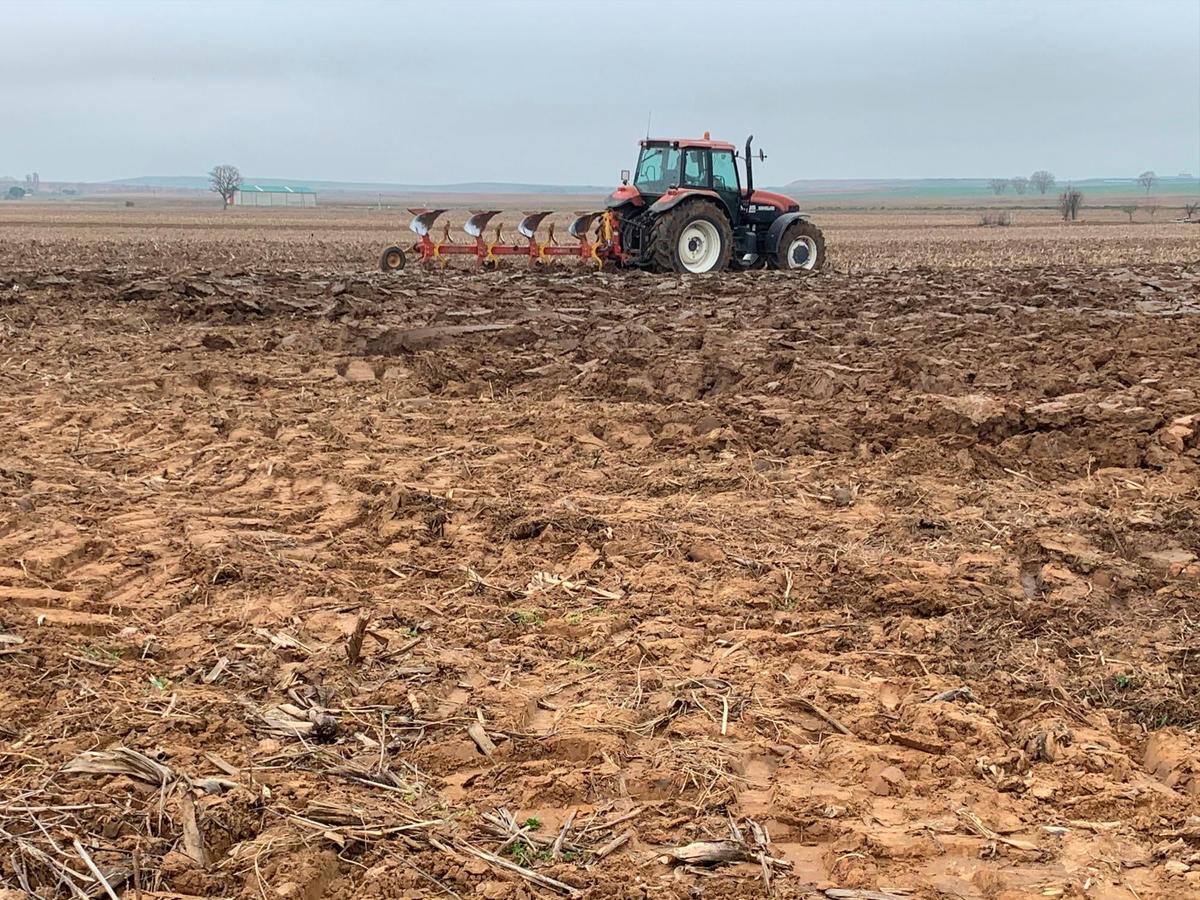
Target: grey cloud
(559, 91)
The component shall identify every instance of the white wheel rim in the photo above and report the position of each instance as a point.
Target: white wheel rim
(802, 253)
(699, 246)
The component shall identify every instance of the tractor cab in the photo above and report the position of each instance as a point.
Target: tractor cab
(666, 165)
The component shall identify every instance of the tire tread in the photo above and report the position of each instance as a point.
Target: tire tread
(670, 225)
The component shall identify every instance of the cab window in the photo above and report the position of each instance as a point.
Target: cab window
(695, 168)
(658, 169)
(724, 171)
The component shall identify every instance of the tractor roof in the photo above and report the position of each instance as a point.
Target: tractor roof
(689, 142)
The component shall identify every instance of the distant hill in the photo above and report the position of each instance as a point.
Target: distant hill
(878, 190)
(200, 182)
(934, 189)
(185, 182)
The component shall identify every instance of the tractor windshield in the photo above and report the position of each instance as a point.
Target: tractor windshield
(658, 169)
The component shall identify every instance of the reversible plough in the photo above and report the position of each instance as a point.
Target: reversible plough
(592, 233)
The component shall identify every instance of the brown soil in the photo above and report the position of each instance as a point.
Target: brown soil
(899, 567)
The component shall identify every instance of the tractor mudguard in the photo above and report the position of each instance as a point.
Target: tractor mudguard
(626, 193)
(778, 227)
(672, 199)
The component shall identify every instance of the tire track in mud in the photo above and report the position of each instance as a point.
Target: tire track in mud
(857, 559)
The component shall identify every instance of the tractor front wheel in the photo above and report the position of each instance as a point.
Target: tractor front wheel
(802, 246)
(392, 260)
(694, 237)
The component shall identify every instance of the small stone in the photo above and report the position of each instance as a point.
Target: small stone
(1176, 869)
(705, 552)
(1171, 559)
(476, 867)
(359, 371)
(1174, 437)
(176, 863)
(675, 432)
(325, 726)
(887, 781)
(640, 387)
(216, 342)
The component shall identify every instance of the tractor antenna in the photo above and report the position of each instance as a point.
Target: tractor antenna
(649, 114)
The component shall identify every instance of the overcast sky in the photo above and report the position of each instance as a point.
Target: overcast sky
(442, 91)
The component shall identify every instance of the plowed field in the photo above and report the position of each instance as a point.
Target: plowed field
(321, 583)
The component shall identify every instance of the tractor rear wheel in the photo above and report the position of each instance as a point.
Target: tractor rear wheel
(802, 246)
(694, 237)
(392, 260)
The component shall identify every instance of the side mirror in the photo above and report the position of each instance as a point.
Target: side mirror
(624, 176)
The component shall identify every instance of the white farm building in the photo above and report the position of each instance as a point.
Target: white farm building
(273, 195)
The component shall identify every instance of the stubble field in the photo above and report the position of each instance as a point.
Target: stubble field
(321, 583)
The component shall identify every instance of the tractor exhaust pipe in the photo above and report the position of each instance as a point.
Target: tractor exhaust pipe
(749, 167)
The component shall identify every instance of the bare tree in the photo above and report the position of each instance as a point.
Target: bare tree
(998, 185)
(224, 180)
(1042, 180)
(1151, 208)
(1020, 184)
(1129, 211)
(37, 182)
(1147, 180)
(1189, 210)
(1070, 202)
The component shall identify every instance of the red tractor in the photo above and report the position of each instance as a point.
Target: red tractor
(687, 210)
